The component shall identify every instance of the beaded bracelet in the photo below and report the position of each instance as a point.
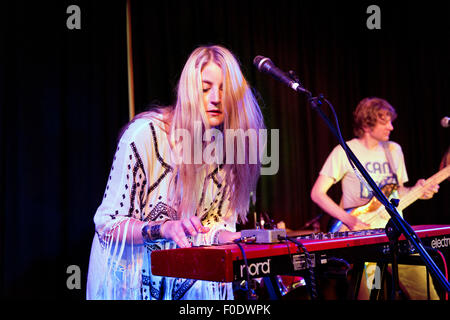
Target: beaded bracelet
(217, 235)
(151, 231)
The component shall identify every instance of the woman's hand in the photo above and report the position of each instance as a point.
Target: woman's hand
(228, 236)
(179, 230)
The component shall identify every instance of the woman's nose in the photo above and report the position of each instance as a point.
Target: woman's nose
(215, 96)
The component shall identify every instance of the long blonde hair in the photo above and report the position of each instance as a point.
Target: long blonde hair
(241, 111)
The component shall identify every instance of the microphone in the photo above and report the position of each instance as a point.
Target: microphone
(445, 122)
(266, 65)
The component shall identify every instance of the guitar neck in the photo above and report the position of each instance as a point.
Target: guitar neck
(417, 192)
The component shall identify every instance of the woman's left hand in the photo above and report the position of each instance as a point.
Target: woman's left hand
(228, 236)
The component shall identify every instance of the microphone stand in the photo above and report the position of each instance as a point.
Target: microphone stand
(396, 224)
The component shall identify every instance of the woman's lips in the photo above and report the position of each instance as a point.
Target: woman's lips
(214, 112)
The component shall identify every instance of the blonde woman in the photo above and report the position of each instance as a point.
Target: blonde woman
(172, 186)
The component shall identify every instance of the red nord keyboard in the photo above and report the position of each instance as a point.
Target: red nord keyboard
(225, 263)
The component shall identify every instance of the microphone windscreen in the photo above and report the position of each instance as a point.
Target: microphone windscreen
(257, 60)
(260, 61)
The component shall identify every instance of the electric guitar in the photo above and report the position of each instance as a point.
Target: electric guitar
(375, 214)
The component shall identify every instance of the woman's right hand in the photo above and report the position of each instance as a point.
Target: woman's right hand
(179, 230)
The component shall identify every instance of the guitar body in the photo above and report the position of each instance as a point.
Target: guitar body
(369, 213)
(376, 216)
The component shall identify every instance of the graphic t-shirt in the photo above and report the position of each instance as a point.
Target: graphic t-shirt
(354, 192)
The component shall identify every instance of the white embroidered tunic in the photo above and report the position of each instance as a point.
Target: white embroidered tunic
(137, 189)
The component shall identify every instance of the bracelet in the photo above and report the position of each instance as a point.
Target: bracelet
(151, 231)
(217, 235)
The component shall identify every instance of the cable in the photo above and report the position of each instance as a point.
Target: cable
(445, 265)
(445, 269)
(250, 294)
(291, 258)
(342, 261)
(308, 264)
(344, 146)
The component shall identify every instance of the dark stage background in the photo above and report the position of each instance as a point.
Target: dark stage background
(64, 98)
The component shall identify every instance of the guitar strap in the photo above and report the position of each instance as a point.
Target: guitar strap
(390, 160)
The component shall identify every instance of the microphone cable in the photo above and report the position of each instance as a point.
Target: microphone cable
(438, 252)
(251, 295)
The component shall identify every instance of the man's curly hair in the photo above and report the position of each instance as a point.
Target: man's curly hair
(369, 111)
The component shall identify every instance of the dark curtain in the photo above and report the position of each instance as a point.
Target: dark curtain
(64, 98)
(329, 46)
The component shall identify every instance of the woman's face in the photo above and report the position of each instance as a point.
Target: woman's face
(212, 79)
